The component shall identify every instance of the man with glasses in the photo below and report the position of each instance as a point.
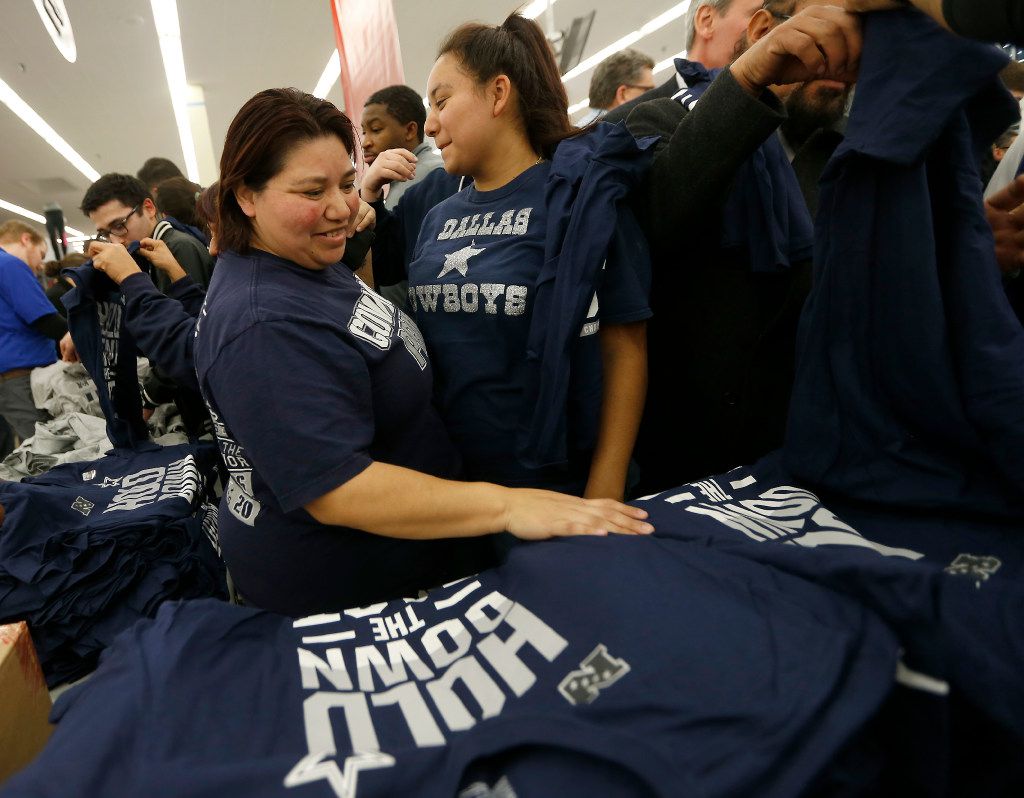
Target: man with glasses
(621, 77)
(123, 211)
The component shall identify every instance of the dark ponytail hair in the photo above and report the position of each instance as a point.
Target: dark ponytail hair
(518, 48)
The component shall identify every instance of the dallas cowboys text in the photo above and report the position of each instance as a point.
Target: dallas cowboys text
(471, 297)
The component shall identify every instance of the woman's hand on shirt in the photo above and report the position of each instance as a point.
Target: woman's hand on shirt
(365, 218)
(114, 261)
(542, 514)
(401, 503)
(390, 166)
(158, 253)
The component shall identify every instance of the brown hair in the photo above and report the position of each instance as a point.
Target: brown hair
(156, 170)
(517, 48)
(206, 206)
(1013, 76)
(261, 135)
(71, 260)
(176, 197)
(621, 68)
(12, 231)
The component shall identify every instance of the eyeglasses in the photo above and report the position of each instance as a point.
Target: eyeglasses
(637, 86)
(118, 227)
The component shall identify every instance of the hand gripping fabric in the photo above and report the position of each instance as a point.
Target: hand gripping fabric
(107, 349)
(910, 385)
(590, 177)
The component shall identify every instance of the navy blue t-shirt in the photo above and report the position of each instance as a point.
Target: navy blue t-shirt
(471, 285)
(947, 583)
(88, 548)
(682, 670)
(309, 377)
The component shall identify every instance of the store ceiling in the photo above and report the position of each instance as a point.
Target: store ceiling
(113, 105)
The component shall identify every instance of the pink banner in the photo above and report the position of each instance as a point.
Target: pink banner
(371, 57)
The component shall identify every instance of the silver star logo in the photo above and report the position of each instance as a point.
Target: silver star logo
(459, 260)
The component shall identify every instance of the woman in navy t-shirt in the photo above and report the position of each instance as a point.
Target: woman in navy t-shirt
(320, 390)
(497, 112)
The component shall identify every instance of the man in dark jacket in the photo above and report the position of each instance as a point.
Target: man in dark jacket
(722, 190)
(123, 211)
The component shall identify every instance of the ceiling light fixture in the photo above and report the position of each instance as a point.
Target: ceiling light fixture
(165, 17)
(24, 112)
(58, 24)
(661, 66)
(536, 8)
(10, 206)
(35, 217)
(647, 29)
(329, 77)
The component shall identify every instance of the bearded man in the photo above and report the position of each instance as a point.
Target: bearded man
(728, 209)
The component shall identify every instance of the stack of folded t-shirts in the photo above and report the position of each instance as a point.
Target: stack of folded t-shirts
(89, 548)
(809, 660)
(77, 429)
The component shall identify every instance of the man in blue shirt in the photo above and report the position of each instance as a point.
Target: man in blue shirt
(28, 328)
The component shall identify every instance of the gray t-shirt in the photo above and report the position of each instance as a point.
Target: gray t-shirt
(428, 159)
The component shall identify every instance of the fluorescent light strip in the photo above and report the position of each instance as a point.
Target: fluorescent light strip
(10, 206)
(24, 112)
(536, 8)
(647, 29)
(661, 66)
(35, 217)
(330, 75)
(165, 17)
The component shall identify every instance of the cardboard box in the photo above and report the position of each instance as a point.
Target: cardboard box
(24, 701)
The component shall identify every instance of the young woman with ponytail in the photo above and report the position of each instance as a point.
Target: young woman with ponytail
(530, 286)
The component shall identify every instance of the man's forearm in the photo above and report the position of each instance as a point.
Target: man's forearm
(52, 326)
(700, 152)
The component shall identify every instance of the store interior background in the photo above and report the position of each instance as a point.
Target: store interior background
(113, 106)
